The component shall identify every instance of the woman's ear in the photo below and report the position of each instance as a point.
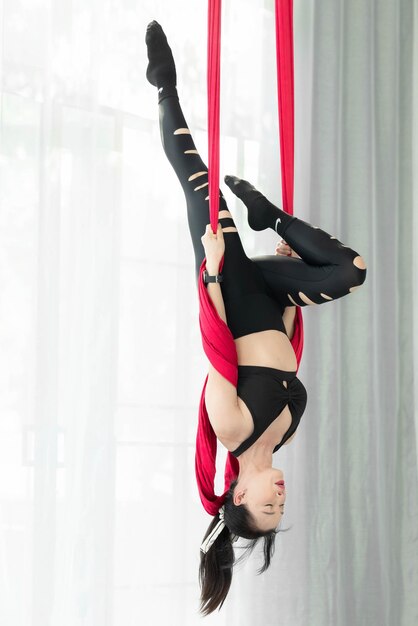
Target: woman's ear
(239, 496)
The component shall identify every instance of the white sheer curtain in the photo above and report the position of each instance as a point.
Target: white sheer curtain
(101, 364)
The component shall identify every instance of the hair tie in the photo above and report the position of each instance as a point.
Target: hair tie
(215, 532)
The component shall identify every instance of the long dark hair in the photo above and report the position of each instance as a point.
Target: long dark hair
(215, 571)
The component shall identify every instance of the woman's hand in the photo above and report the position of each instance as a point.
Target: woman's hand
(214, 246)
(283, 249)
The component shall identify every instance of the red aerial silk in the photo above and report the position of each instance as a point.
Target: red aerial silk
(214, 87)
(217, 339)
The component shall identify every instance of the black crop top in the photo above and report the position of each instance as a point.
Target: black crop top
(263, 392)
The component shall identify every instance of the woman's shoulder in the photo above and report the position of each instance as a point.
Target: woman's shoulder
(230, 443)
(224, 411)
(229, 425)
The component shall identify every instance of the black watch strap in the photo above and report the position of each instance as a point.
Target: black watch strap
(207, 278)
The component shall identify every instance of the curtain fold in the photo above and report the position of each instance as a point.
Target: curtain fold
(101, 362)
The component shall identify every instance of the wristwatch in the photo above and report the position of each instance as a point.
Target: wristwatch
(212, 279)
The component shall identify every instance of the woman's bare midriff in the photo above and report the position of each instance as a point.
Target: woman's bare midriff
(268, 348)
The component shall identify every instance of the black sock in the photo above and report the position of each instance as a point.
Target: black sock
(262, 213)
(161, 70)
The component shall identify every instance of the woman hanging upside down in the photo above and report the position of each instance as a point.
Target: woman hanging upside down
(256, 298)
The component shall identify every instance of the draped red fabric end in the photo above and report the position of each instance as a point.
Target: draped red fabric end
(218, 342)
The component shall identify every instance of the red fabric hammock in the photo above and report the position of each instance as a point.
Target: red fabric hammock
(217, 339)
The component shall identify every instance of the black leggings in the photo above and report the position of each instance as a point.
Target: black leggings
(327, 269)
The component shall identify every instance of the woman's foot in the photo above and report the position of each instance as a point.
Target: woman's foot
(161, 70)
(259, 212)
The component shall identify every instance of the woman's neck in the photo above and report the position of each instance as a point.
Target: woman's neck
(258, 457)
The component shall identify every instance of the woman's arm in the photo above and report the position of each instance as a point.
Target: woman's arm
(220, 395)
(222, 405)
(215, 292)
(214, 246)
(288, 318)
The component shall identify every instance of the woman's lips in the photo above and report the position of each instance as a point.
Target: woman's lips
(280, 482)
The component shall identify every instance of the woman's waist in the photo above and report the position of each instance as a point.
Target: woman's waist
(269, 348)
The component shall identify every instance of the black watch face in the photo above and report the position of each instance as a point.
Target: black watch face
(211, 279)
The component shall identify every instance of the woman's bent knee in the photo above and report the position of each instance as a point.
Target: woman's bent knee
(357, 274)
(359, 262)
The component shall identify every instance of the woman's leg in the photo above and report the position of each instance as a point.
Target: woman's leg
(327, 269)
(177, 140)
(191, 170)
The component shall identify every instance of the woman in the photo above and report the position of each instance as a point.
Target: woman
(257, 299)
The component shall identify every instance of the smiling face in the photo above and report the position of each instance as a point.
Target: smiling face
(264, 494)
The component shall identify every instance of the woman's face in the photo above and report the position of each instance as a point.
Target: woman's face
(264, 494)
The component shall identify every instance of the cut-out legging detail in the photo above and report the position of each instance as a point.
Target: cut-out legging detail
(327, 269)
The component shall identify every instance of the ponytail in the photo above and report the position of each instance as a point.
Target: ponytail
(216, 565)
(215, 571)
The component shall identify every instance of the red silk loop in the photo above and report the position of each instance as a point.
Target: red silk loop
(218, 342)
